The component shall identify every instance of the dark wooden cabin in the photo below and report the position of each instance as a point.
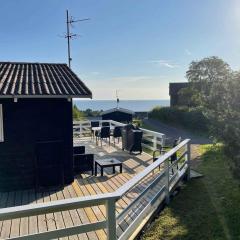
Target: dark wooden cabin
(36, 139)
(174, 89)
(118, 114)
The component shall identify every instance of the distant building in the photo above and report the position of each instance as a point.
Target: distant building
(174, 89)
(118, 114)
(36, 132)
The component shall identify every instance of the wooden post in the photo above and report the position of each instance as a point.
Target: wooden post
(166, 178)
(111, 219)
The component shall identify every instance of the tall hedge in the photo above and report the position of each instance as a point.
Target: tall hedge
(188, 118)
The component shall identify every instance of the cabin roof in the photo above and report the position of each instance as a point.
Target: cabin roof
(124, 110)
(18, 79)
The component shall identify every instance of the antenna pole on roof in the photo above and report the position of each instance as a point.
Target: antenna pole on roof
(117, 98)
(69, 35)
(68, 41)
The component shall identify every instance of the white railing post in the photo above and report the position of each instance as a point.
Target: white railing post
(80, 129)
(166, 180)
(155, 142)
(163, 139)
(188, 158)
(111, 219)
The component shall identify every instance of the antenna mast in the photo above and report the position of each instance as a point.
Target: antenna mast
(69, 35)
(117, 98)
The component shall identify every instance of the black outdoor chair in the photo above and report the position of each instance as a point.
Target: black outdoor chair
(105, 124)
(117, 133)
(78, 150)
(82, 161)
(94, 124)
(163, 149)
(104, 133)
(131, 138)
(157, 153)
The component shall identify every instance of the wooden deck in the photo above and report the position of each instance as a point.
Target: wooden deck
(82, 186)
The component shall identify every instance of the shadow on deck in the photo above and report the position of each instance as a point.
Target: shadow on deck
(84, 185)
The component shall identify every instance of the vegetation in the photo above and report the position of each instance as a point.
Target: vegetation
(207, 208)
(137, 122)
(77, 114)
(189, 118)
(215, 89)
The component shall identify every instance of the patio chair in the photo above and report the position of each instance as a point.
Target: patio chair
(105, 124)
(131, 138)
(164, 149)
(104, 134)
(94, 124)
(78, 150)
(82, 161)
(116, 133)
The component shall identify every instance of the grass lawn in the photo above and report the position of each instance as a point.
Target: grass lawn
(206, 208)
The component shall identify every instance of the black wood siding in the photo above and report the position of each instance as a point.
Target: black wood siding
(25, 123)
(118, 116)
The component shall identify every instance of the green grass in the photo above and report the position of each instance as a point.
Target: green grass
(206, 208)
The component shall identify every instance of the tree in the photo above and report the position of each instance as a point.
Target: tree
(77, 114)
(205, 75)
(216, 88)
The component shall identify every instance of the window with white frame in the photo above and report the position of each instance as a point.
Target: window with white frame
(1, 124)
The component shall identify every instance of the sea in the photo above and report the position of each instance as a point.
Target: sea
(134, 105)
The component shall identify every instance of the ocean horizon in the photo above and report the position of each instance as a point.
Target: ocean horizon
(134, 105)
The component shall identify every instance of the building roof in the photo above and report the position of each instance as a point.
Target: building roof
(124, 110)
(40, 80)
(175, 87)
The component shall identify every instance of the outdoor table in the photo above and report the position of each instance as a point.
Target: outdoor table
(105, 163)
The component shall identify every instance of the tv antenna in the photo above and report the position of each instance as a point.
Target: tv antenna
(117, 98)
(69, 35)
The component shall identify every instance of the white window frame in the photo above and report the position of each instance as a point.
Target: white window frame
(1, 124)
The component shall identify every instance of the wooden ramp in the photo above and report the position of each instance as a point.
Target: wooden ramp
(84, 185)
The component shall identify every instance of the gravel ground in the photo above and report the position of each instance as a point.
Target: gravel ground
(173, 133)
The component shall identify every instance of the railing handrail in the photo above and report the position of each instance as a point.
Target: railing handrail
(86, 201)
(57, 205)
(136, 179)
(152, 132)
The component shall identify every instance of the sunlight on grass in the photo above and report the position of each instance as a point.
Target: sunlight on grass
(206, 208)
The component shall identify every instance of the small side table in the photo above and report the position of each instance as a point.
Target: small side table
(105, 163)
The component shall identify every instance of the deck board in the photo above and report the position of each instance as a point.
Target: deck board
(83, 185)
(24, 221)
(42, 224)
(57, 215)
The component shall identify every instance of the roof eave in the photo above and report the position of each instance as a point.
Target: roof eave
(46, 96)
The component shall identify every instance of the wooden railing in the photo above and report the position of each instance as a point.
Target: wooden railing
(161, 183)
(150, 140)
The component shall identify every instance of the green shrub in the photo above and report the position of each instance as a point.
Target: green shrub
(189, 118)
(137, 122)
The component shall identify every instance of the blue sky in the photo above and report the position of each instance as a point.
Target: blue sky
(135, 46)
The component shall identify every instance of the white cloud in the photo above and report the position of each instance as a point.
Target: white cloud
(165, 63)
(188, 52)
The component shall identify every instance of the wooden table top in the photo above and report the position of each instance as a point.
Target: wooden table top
(108, 162)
